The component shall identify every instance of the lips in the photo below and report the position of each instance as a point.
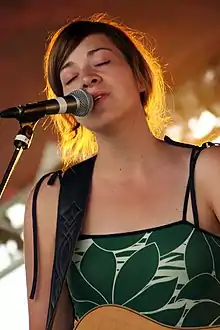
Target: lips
(99, 96)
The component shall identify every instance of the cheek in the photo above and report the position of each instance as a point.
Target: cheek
(126, 79)
(67, 90)
(127, 87)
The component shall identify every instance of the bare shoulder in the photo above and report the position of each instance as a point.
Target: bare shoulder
(46, 216)
(209, 163)
(208, 176)
(47, 196)
(46, 201)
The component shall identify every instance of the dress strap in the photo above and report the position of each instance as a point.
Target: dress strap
(191, 189)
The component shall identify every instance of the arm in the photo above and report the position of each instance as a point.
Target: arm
(47, 203)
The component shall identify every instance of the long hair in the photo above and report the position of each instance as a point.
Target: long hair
(75, 141)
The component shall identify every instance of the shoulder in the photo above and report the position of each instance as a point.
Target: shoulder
(209, 162)
(48, 186)
(50, 183)
(44, 188)
(208, 176)
(41, 206)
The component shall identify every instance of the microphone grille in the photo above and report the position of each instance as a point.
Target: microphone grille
(84, 100)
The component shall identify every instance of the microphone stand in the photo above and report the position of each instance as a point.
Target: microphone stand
(22, 142)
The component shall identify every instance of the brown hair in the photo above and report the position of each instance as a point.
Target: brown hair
(77, 142)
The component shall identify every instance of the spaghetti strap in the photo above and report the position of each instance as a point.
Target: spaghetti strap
(186, 200)
(176, 143)
(190, 188)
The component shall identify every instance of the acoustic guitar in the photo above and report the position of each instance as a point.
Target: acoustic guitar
(114, 317)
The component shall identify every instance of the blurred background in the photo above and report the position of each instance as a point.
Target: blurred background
(186, 37)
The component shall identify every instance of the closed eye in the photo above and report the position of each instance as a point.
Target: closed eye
(69, 81)
(103, 63)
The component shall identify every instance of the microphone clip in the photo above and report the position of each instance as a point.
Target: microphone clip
(22, 142)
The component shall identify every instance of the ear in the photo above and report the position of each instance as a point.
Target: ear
(140, 85)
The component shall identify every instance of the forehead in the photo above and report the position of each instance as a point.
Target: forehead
(92, 42)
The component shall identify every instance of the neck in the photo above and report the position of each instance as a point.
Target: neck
(128, 149)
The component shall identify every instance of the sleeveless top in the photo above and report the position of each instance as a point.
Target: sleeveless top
(170, 273)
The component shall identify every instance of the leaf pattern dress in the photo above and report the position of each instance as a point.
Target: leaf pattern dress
(170, 273)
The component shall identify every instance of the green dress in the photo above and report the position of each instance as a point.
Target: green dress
(169, 273)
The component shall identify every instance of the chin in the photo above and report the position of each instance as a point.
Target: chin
(99, 120)
(104, 120)
(102, 126)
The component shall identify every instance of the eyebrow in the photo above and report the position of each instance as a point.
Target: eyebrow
(89, 54)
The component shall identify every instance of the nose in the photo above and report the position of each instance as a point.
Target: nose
(90, 80)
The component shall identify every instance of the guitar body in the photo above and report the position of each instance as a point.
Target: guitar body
(114, 317)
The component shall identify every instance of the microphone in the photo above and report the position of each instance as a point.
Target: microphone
(79, 103)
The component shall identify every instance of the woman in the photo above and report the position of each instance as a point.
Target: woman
(144, 243)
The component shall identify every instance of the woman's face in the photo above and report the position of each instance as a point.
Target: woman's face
(98, 66)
